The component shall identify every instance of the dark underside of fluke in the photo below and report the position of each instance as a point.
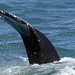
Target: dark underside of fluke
(39, 49)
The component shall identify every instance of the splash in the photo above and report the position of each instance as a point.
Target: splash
(66, 66)
(67, 71)
(0, 17)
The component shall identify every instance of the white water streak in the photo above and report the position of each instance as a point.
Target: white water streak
(66, 66)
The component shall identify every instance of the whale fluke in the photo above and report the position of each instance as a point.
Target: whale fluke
(39, 49)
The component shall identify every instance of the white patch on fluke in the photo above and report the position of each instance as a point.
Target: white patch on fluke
(35, 53)
(14, 16)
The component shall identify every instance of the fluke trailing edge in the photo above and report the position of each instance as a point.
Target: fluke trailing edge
(39, 49)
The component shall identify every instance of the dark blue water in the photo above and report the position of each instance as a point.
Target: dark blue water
(56, 19)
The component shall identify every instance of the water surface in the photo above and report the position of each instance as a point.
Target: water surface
(56, 19)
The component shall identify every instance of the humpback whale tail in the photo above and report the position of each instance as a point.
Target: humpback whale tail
(39, 49)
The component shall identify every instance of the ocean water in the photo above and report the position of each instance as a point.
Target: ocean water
(56, 19)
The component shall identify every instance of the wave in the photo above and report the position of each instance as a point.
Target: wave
(66, 66)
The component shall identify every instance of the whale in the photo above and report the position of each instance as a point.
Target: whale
(38, 47)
